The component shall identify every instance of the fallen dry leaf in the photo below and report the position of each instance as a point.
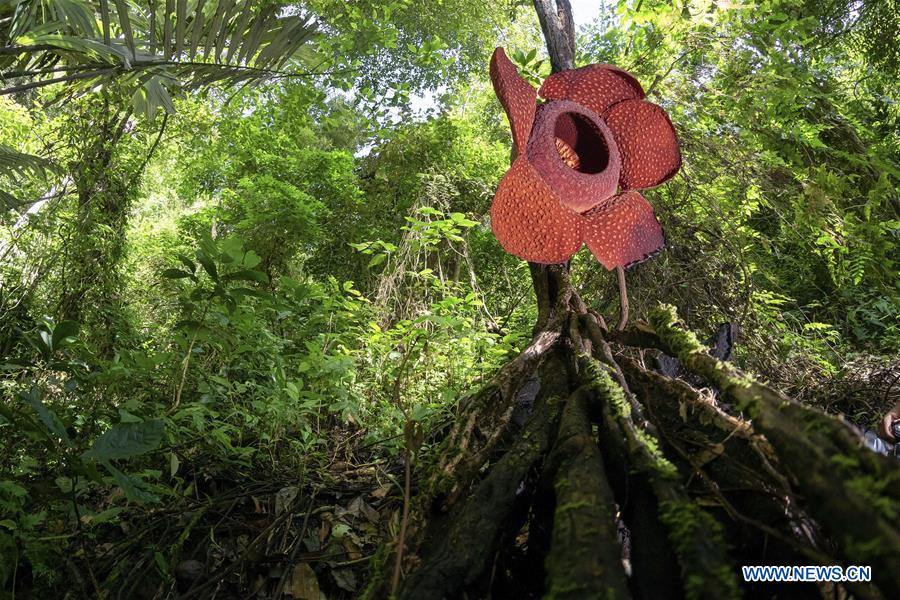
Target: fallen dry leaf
(303, 585)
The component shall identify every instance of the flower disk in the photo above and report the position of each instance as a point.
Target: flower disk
(586, 142)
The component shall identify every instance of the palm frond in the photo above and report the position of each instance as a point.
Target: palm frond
(188, 43)
(15, 165)
(13, 162)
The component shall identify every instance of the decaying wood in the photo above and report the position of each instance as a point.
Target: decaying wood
(692, 533)
(478, 523)
(824, 455)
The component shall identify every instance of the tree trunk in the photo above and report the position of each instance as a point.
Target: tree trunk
(558, 28)
(91, 279)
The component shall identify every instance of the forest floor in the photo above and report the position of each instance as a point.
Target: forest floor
(311, 536)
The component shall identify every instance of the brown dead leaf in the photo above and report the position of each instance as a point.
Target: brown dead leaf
(360, 508)
(285, 498)
(381, 492)
(324, 531)
(303, 584)
(345, 579)
(351, 549)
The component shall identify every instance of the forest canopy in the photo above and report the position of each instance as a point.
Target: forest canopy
(245, 249)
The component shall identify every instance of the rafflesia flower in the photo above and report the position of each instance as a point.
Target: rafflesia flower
(580, 157)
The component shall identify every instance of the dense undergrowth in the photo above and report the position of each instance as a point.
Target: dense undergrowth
(241, 309)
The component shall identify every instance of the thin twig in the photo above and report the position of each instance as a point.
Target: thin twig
(223, 572)
(296, 550)
(401, 542)
(186, 363)
(87, 561)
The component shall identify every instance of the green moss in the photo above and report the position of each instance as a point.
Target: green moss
(689, 527)
(812, 425)
(872, 491)
(844, 461)
(572, 590)
(682, 342)
(378, 568)
(560, 589)
(602, 382)
(684, 345)
(863, 551)
(661, 464)
(684, 520)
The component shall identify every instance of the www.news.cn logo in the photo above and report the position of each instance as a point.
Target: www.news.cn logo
(807, 573)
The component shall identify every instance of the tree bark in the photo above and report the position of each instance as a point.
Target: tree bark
(559, 32)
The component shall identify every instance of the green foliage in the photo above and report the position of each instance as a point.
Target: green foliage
(127, 440)
(397, 48)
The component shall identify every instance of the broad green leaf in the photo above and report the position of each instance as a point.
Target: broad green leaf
(157, 96)
(251, 259)
(64, 333)
(196, 29)
(92, 48)
(175, 274)
(47, 416)
(132, 487)
(186, 262)
(104, 20)
(101, 517)
(127, 440)
(125, 22)
(208, 265)
(247, 275)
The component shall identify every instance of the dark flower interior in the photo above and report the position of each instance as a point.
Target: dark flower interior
(580, 143)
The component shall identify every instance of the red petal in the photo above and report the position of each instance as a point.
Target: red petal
(623, 232)
(529, 221)
(582, 135)
(647, 143)
(596, 86)
(516, 95)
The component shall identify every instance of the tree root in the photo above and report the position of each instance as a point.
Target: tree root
(533, 512)
(585, 558)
